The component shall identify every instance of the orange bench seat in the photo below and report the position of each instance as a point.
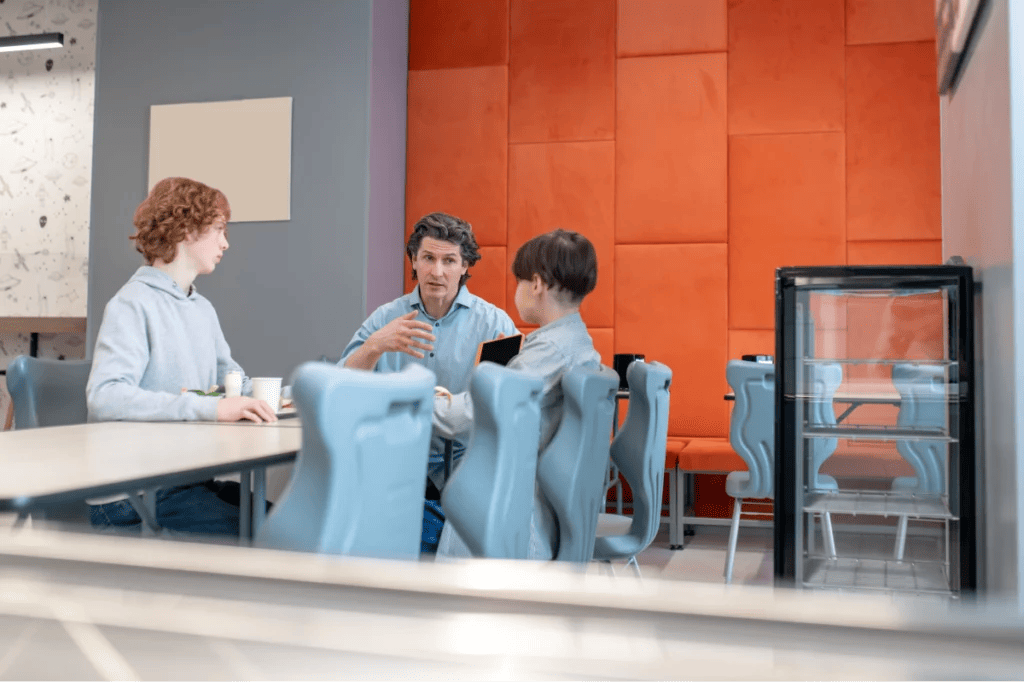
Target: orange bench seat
(711, 455)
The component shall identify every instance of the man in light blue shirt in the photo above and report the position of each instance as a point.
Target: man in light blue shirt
(439, 325)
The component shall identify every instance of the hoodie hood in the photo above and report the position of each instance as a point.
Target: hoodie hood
(161, 281)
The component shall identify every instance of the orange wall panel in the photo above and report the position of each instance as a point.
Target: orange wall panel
(457, 148)
(562, 70)
(488, 277)
(786, 208)
(893, 165)
(670, 305)
(649, 27)
(894, 253)
(447, 35)
(700, 144)
(569, 185)
(786, 66)
(750, 342)
(889, 21)
(671, 150)
(604, 343)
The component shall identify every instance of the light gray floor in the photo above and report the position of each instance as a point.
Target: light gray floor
(702, 558)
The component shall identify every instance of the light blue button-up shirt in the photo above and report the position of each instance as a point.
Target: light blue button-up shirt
(470, 321)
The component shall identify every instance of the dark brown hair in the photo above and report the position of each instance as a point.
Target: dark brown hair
(562, 259)
(447, 228)
(174, 209)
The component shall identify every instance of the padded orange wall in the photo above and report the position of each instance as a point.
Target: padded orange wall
(699, 144)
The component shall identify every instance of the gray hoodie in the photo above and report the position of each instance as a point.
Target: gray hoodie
(154, 341)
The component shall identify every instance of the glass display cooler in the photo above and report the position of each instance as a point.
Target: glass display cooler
(874, 437)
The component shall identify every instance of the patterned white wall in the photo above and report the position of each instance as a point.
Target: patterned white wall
(46, 130)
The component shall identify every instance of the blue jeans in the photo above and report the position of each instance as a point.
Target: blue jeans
(194, 508)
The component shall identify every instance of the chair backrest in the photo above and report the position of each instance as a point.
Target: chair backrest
(752, 426)
(571, 470)
(357, 486)
(489, 498)
(48, 392)
(824, 379)
(639, 452)
(922, 390)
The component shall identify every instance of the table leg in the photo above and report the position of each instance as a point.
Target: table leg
(145, 506)
(259, 511)
(245, 506)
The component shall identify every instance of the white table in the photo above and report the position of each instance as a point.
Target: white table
(78, 606)
(60, 464)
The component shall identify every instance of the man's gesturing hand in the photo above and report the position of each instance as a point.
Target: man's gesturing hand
(404, 334)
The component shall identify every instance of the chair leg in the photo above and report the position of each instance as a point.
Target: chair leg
(673, 519)
(827, 537)
(901, 538)
(611, 569)
(812, 529)
(734, 532)
(19, 521)
(636, 567)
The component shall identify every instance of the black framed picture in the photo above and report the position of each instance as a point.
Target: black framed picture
(954, 24)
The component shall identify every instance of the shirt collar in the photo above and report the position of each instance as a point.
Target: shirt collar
(463, 299)
(564, 321)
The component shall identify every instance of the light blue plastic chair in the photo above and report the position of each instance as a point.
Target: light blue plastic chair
(752, 436)
(922, 390)
(48, 392)
(489, 499)
(824, 381)
(571, 470)
(639, 452)
(357, 486)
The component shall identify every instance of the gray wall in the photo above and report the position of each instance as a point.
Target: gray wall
(982, 205)
(388, 90)
(288, 291)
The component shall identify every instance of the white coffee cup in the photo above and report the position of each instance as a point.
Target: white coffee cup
(268, 389)
(232, 384)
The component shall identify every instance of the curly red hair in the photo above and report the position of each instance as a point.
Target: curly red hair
(174, 209)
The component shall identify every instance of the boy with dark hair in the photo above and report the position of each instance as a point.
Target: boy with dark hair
(554, 273)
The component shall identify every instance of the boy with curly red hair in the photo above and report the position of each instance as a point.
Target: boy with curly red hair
(159, 335)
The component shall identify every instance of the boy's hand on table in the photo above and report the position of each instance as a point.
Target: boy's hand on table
(251, 409)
